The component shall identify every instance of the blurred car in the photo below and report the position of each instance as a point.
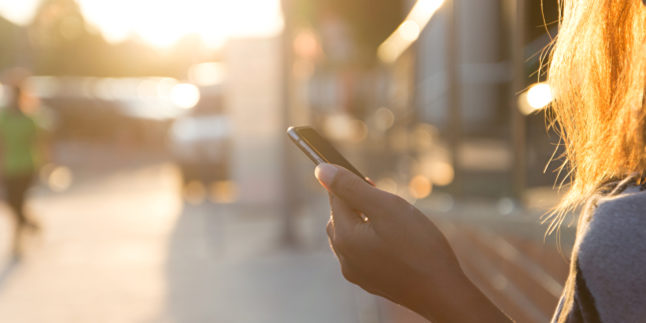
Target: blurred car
(201, 146)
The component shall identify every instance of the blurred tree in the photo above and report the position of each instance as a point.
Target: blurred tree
(63, 43)
(10, 42)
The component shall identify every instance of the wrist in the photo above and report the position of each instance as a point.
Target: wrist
(457, 299)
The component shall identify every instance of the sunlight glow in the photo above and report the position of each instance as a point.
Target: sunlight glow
(409, 30)
(19, 12)
(163, 23)
(537, 97)
(185, 95)
(207, 74)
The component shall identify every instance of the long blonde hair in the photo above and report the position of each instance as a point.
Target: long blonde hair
(598, 74)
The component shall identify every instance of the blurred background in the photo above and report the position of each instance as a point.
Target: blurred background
(168, 191)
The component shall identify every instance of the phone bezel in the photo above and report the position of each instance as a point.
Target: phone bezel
(313, 153)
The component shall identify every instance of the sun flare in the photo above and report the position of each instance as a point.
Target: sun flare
(163, 23)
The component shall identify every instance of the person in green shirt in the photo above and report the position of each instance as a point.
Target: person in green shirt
(19, 157)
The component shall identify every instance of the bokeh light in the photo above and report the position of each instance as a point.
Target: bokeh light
(537, 97)
(425, 136)
(194, 192)
(207, 74)
(384, 119)
(185, 95)
(420, 187)
(147, 89)
(223, 192)
(306, 44)
(342, 127)
(60, 179)
(409, 30)
(441, 173)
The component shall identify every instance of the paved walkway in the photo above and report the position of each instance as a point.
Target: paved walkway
(124, 248)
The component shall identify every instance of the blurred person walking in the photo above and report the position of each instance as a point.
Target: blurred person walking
(598, 72)
(20, 151)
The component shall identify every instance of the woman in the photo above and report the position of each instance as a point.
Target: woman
(598, 71)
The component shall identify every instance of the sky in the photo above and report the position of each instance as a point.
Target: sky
(162, 22)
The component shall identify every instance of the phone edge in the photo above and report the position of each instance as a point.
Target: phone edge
(309, 150)
(292, 133)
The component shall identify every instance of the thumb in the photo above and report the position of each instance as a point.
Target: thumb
(354, 191)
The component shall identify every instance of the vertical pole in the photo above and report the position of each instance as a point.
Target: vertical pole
(288, 203)
(518, 132)
(454, 94)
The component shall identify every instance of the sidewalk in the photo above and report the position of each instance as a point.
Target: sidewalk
(124, 248)
(121, 246)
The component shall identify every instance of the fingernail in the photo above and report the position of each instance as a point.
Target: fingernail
(325, 173)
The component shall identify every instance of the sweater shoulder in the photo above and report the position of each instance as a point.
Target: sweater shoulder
(612, 256)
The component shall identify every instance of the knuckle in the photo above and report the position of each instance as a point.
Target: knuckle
(370, 290)
(329, 227)
(341, 244)
(348, 274)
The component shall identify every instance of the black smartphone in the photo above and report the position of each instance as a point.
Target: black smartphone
(319, 149)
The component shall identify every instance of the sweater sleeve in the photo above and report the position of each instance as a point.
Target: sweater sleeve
(612, 257)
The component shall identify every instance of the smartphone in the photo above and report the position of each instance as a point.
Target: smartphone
(319, 149)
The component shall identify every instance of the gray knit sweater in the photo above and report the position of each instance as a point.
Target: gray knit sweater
(611, 265)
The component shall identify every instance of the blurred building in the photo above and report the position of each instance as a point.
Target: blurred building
(483, 64)
(254, 104)
(396, 115)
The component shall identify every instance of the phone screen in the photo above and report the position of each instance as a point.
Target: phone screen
(319, 149)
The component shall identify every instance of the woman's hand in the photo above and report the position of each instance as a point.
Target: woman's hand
(389, 248)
